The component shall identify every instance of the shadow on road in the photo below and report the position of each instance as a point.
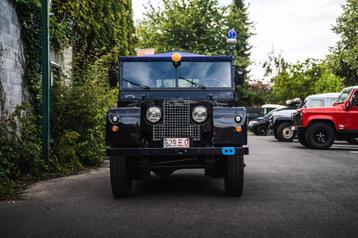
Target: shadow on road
(181, 183)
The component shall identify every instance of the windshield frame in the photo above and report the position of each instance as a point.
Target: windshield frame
(344, 92)
(192, 59)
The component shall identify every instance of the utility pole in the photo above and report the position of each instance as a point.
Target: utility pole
(46, 76)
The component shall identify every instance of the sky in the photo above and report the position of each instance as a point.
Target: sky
(298, 29)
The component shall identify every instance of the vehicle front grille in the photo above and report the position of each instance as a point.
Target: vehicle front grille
(176, 122)
(297, 119)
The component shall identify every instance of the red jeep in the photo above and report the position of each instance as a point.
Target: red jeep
(319, 127)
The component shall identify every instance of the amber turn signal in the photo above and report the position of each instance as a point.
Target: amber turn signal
(176, 57)
(115, 128)
(238, 129)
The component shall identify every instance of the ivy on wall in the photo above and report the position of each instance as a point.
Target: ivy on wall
(99, 31)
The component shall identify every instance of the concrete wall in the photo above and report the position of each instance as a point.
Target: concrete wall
(11, 59)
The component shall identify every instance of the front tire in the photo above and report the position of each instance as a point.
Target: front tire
(121, 181)
(261, 131)
(285, 133)
(234, 176)
(320, 136)
(302, 139)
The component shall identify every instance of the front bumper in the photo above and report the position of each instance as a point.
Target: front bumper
(194, 151)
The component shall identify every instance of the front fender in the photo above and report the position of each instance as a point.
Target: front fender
(224, 126)
(129, 132)
(306, 121)
(279, 120)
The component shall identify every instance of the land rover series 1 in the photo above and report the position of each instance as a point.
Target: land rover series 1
(176, 111)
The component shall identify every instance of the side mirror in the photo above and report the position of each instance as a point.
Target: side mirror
(346, 105)
(113, 78)
(239, 77)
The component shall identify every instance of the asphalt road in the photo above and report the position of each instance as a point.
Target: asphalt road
(289, 191)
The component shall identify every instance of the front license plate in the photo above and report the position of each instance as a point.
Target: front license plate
(176, 143)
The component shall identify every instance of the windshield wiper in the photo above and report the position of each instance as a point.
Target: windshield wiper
(193, 83)
(136, 84)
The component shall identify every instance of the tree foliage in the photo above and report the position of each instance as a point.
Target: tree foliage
(344, 58)
(238, 19)
(198, 26)
(195, 26)
(94, 28)
(303, 79)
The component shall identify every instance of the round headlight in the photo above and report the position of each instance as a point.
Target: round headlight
(154, 114)
(238, 119)
(114, 119)
(200, 114)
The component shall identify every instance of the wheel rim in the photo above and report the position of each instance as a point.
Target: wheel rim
(321, 137)
(287, 133)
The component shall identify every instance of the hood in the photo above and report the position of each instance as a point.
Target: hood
(259, 120)
(217, 95)
(284, 113)
(336, 108)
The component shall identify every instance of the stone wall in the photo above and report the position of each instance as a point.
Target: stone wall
(11, 59)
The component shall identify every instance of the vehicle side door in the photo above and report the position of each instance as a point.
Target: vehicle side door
(352, 113)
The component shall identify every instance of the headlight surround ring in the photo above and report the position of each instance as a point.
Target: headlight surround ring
(199, 114)
(154, 114)
(114, 118)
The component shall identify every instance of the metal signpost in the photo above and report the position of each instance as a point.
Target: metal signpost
(46, 76)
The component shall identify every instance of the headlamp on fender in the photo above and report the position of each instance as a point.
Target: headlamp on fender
(114, 119)
(238, 119)
(200, 114)
(154, 114)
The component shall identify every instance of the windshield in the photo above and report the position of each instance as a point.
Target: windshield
(344, 95)
(164, 75)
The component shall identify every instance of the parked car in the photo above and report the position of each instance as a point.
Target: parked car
(269, 107)
(281, 125)
(253, 113)
(259, 126)
(282, 122)
(318, 128)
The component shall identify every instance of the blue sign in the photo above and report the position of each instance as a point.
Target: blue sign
(232, 34)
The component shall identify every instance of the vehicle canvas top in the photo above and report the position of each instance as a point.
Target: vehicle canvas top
(168, 57)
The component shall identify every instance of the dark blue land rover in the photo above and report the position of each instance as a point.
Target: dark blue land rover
(176, 111)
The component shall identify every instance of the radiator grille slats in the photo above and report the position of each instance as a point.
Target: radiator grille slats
(176, 122)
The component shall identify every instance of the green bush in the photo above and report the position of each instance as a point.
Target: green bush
(78, 117)
(20, 154)
(77, 134)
